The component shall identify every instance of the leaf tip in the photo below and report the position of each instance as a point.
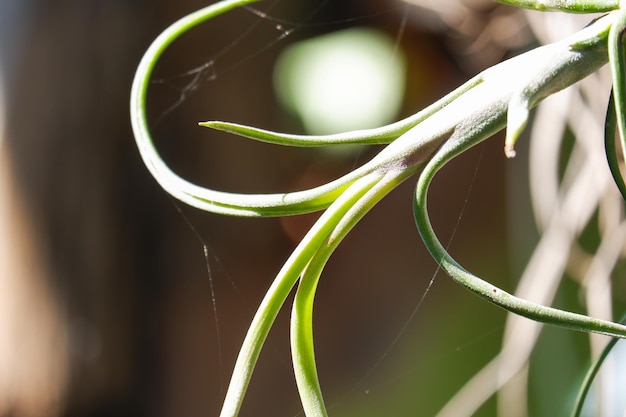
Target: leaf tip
(509, 151)
(517, 118)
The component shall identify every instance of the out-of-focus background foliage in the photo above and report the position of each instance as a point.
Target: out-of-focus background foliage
(108, 305)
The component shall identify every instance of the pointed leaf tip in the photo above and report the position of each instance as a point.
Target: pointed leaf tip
(517, 118)
(509, 151)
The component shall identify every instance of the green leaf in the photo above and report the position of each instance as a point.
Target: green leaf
(610, 130)
(590, 375)
(571, 6)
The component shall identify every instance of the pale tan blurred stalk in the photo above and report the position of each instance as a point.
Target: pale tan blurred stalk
(33, 351)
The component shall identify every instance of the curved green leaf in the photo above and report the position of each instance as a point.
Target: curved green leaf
(610, 129)
(194, 195)
(571, 6)
(459, 142)
(370, 189)
(590, 375)
(380, 135)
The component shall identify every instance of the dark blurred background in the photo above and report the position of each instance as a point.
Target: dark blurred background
(106, 306)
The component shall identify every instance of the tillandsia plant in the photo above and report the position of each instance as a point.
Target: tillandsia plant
(420, 146)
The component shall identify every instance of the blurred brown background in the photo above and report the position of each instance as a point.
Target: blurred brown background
(105, 295)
